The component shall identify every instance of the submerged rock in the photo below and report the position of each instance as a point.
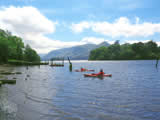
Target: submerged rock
(28, 75)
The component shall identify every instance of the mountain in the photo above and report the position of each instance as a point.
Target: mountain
(80, 52)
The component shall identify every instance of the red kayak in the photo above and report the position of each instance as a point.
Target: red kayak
(84, 70)
(97, 75)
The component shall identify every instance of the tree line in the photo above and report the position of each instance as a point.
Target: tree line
(12, 47)
(135, 51)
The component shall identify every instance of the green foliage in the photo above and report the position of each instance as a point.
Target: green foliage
(30, 54)
(15, 46)
(3, 50)
(12, 47)
(21, 62)
(136, 51)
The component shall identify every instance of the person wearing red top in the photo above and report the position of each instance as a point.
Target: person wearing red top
(101, 72)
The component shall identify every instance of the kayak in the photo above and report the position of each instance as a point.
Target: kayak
(84, 70)
(97, 75)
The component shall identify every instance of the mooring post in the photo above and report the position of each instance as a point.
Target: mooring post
(157, 60)
(70, 65)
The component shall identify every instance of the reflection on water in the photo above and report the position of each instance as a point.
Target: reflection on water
(48, 93)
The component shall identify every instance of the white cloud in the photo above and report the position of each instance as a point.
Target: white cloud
(30, 24)
(25, 20)
(120, 27)
(45, 45)
(57, 44)
(158, 43)
(80, 27)
(95, 40)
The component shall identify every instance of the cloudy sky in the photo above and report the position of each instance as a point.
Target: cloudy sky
(52, 24)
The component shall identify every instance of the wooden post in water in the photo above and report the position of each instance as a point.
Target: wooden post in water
(157, 60)
(70, 65)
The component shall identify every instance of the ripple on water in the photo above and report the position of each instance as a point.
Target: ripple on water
(8, 109)
(132, 93)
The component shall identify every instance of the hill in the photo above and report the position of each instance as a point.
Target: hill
(80, 52)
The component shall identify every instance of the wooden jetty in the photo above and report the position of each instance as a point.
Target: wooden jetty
(57, 64)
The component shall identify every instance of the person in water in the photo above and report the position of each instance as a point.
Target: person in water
(101, 72)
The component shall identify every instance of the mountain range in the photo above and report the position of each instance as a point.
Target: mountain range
(80, 52)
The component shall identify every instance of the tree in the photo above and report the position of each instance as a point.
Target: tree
(16, 47)
(3, 50)
(12, 47)
(136, 51)
(31, 55)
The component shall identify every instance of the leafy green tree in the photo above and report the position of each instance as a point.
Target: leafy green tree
(16, 47)
(3, 50)
(31, 55)
(126, 52)
(12, 47)
(136, 51)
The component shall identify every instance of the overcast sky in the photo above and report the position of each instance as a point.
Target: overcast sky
(52, 24)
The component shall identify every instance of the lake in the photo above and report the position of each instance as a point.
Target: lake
(55, 93)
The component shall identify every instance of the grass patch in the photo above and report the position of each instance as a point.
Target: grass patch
(20, 62)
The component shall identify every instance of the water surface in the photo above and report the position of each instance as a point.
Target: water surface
(49, 93)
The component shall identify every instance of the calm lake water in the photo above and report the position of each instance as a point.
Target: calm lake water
(49, 93)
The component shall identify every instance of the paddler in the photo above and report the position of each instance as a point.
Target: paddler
(101, 72)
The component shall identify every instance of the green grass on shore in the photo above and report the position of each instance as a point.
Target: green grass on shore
(20, 62)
